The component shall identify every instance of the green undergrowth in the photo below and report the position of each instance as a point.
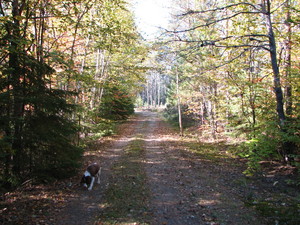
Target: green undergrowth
(277, 212)
(127, 196)
(209, 151)
(100, 129)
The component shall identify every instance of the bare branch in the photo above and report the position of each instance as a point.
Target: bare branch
(214, 22)
(221, 65)
(250, 36)
(278, 7)
(203, 43)
(219, 9)
(244, 46)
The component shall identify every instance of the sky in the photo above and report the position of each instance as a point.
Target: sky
(150, 15)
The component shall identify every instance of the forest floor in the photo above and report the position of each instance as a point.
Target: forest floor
(151, 175)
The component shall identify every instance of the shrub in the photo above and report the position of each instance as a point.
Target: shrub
(116, 104)
(268, 142)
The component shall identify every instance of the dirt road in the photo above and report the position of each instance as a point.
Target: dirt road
(183, 189)
(150, 175)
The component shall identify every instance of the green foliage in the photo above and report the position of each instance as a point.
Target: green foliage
(37, 131)
(283, 212)
(47, 149)
(116, 104)
(294, 182)
(139, 101)
(38, 127)
(171, 114)
(267, 143)
(225, 77)
(48, 142)
(102, 128)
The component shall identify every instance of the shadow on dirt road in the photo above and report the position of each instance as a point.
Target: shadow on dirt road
(182, 189)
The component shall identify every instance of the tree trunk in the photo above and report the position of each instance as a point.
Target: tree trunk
(158, 92)
(274, 63)
(287, 146)
(178, 104)
(16, 75)
(288, 47)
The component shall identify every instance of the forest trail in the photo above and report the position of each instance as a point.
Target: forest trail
(151, 175)
(183, 189)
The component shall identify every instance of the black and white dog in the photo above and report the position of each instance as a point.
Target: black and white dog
(92, 172)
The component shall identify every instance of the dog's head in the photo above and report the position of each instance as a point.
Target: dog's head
(86, 180)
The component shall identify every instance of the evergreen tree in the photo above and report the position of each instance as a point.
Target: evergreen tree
(36, 132)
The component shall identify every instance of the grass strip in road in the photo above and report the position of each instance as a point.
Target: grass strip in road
(126, 199)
